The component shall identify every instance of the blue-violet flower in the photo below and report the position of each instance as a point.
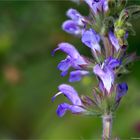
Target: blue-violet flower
(73, 59)
(72, 95)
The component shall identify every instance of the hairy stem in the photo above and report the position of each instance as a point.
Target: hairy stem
(107, 126)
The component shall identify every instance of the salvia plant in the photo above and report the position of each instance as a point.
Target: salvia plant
(104, 32)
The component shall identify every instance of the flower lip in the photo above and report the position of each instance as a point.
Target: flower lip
(64, 65)
(70, 93)
(77, 75)
(75, 16)
(106, 75)
(68, 49)
(62, 108)
(112, 62)
(106, 72)
(91, 39)
(71, 27)
(73, 59)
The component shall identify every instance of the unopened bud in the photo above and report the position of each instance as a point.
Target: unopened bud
(120, 33)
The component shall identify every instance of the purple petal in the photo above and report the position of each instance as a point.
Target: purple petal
(64, 65)
(106, 75)
(90, 3)
(68, 49)
(64, 73)
(121, 91)
(77, 75)
(97, 70)
(75, 58)
(97, 5)
(78, 62)
(114, 41)
(105, 5)
(91, 39)
(75, 16)
(71, 27)
(62, 108)
(112, 62)
(70, 93)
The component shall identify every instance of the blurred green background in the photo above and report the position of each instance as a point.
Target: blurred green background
(29, 31)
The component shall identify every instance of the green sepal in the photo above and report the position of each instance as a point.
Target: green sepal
(95, 21)
(108, 23)
(114, 107)
(130, 58)
(112, 7)
(92, 113)
(88, 102)
(92, 105)
(97, 96)
(111, 101)
(133, 12)
(108, 102)
(130, 29)
(123, 70)
(120, 4)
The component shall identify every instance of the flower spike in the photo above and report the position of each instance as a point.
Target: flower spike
(105, 32)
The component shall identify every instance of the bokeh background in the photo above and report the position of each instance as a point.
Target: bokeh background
(29, 31)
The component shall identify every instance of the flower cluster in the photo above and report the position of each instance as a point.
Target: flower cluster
(105, 33)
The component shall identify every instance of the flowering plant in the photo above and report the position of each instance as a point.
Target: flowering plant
(104, 32)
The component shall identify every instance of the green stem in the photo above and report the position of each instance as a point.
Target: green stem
(107, 126)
